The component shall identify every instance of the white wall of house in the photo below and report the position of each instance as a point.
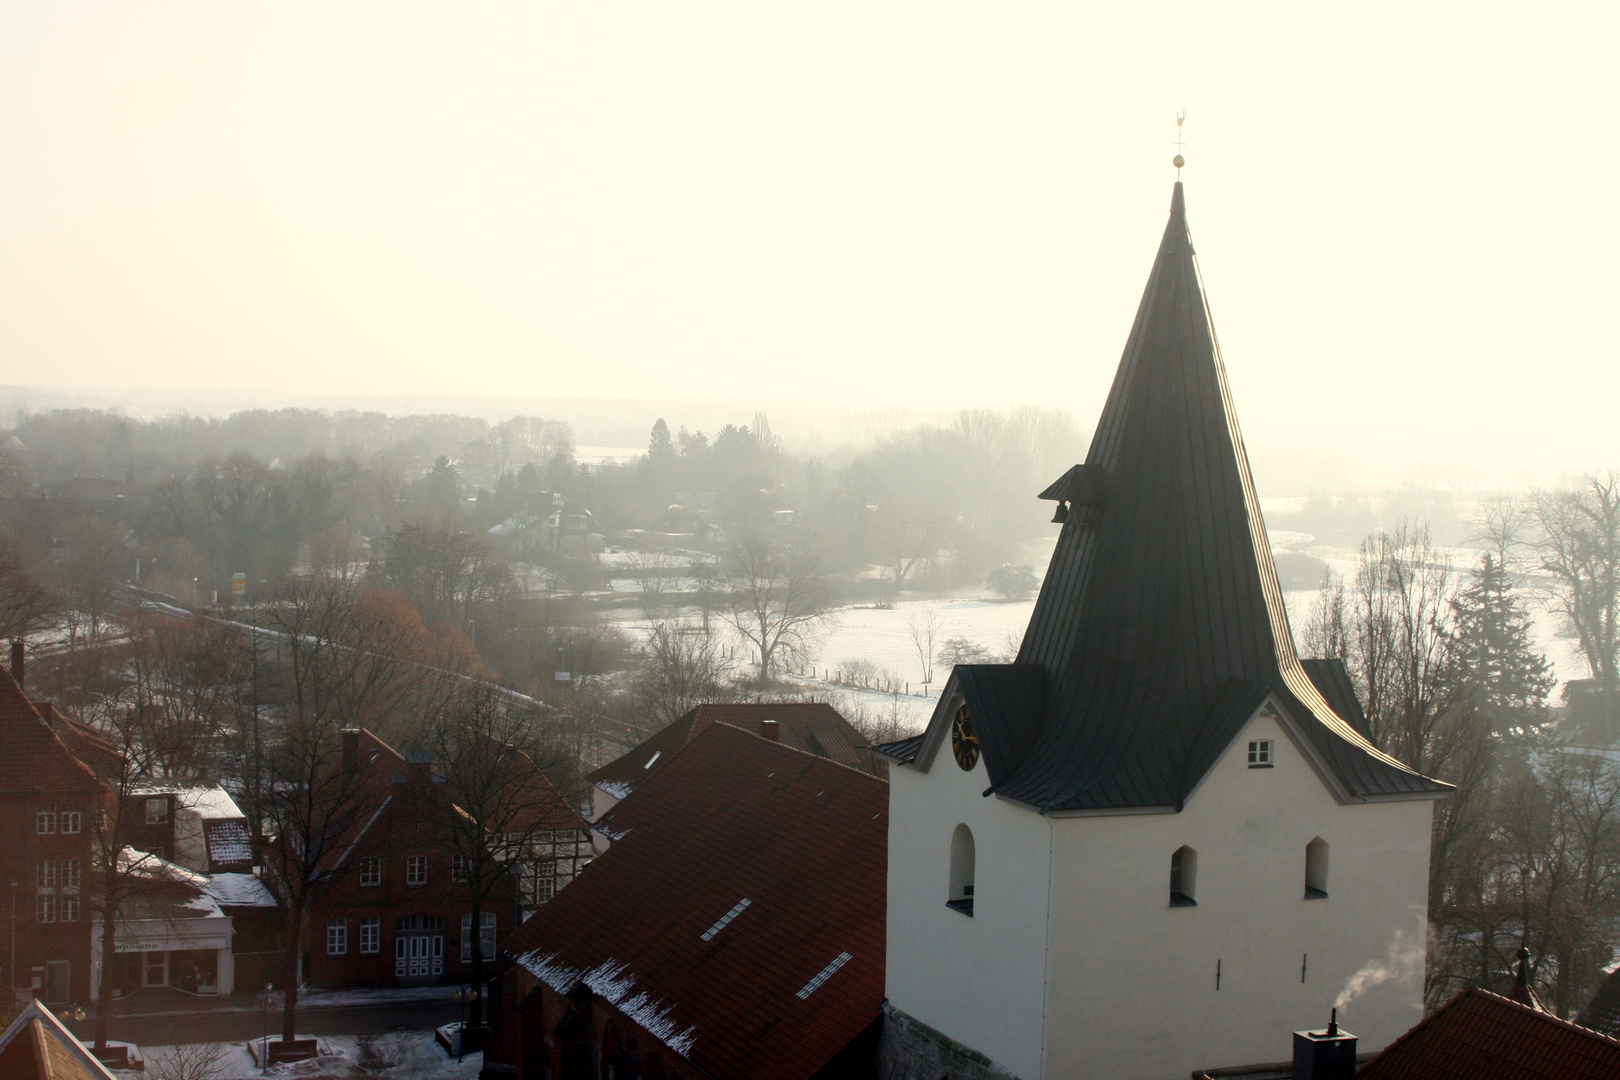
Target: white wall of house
(1133, 988)
(979, 980)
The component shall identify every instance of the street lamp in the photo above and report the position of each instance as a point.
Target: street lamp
(264, 1044)
(11, 970)
(461, 1022)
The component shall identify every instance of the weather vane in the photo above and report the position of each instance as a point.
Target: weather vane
(1178, 161)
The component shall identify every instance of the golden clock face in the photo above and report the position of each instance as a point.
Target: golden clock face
(964, 742)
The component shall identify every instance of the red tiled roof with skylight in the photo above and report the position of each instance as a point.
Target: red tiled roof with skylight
(1478, 1035)
(739, 914)
(814, 727)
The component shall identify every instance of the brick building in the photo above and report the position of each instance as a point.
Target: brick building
(47, 799)
(398, 911)
(735, 929)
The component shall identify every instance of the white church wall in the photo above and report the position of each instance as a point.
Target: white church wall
(1133, 979)
(979, 979)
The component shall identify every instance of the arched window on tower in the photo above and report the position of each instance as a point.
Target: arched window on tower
(961, 894)
(1184, 878)
(1316, 869)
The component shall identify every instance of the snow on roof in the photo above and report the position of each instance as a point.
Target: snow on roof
(239, 890)
(207, 803)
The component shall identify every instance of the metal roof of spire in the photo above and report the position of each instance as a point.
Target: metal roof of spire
(1160, 627)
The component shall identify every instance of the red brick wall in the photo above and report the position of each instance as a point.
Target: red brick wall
(20, 853)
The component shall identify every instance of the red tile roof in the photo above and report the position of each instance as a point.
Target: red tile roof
(814, 727)
(544, 807)
(739, 914)
(32, 756)
(1478, 1035)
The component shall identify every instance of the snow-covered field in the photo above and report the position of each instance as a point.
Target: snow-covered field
(395, 1056)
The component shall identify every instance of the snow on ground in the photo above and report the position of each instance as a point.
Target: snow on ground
(401, 1055)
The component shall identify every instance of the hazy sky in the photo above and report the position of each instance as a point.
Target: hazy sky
(1402, 210)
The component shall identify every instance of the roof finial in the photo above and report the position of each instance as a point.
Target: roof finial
(1178, 161)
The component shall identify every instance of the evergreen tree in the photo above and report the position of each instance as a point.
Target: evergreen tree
(660, 447)
(1498, 667)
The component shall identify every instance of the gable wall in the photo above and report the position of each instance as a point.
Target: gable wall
(1133, 980)
(977, 980)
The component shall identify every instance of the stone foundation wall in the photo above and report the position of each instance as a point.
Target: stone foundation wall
(911, 1050)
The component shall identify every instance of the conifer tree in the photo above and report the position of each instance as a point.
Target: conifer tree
(1498, 666)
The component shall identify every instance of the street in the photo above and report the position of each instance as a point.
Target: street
(221, 1026)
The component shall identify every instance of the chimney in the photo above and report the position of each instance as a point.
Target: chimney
(1329, 1054)
(771, 730)
(17, 661)
(351, 750)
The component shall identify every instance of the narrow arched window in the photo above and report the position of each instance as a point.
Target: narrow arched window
(961, 894)
(1316, 869)
(1184, 878)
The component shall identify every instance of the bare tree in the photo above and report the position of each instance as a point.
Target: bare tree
(776, 597)
(650, 569)
(25, 598)
(492, 810)
(924, 631)
(682, 666)
(145, 737)
(1579, 545)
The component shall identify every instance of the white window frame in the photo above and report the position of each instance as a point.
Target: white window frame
(45, 908)
(416, 870)
(72, 821)
(458, 868)
(337, 937)
(371, 871)
(370, 935)
(45, 821)
(69, 905)
(1260, 754)
(70, 875)
(45, 874)
(486, 939)
(157, 810)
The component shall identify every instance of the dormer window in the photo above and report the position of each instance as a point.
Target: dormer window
(1260, 754)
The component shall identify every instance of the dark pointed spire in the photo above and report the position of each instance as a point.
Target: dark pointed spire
(1160, 627)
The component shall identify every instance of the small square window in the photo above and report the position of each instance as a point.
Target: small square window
(416, 870)
(45, 821)
(157, 811)
(1260, 754)
(370, 935)
(337, 937)
(371, 870)
(71, 820)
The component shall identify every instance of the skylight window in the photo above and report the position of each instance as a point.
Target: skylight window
(656, 755)
(726, 918)
(826, 973)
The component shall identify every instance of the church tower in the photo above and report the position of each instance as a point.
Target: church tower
(1158, 841)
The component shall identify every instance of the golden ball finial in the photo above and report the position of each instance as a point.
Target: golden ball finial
(1178, 161)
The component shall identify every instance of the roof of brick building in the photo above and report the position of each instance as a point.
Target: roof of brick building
(1478, 1035)
(739, 915)
(814, 727)
(37, 1046)
(32, 756)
